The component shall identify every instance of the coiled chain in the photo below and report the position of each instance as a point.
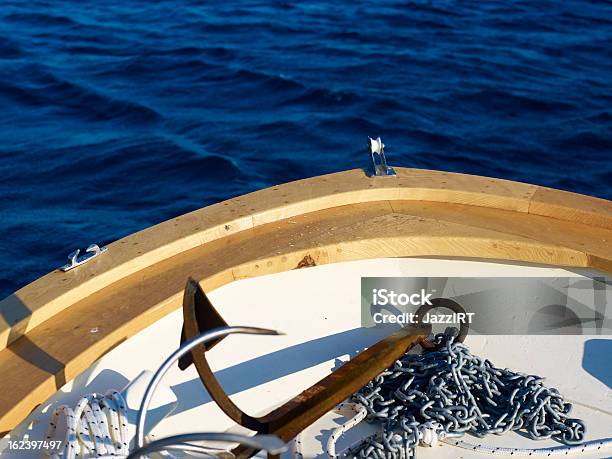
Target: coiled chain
(459, 392)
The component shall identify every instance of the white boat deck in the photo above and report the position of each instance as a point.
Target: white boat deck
(319, 310)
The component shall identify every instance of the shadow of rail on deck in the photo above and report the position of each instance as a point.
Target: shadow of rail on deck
(15, 316)
(596, 360)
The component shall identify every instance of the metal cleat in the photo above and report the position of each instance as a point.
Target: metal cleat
(91, 252)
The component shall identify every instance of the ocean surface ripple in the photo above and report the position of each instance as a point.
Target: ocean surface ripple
(117, 115)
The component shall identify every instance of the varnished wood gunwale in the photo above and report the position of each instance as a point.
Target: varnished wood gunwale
(338, 217)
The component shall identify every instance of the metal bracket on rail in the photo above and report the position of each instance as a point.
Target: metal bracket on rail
(91, 252)
(380, 168)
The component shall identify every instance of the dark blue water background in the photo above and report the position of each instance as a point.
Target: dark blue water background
(115, 115)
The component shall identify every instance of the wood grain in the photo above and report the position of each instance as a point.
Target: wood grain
(564, 205)
(42, 299)
(60, 324)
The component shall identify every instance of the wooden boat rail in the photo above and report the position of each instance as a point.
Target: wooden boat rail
(54, 328)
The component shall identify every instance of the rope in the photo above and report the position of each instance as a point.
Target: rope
(430, 433)
(360, 415)
(97, 427)
(590, 446)
(297, 447)
(441, 395)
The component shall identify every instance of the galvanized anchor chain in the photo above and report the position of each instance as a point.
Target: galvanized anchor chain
(453, 392)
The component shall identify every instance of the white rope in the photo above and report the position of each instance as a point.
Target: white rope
(297, 447)
(360, 414)
(430, 433)
(587, 447)
(97, 427)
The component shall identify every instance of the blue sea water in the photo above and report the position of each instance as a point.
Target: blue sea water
(115, 115)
